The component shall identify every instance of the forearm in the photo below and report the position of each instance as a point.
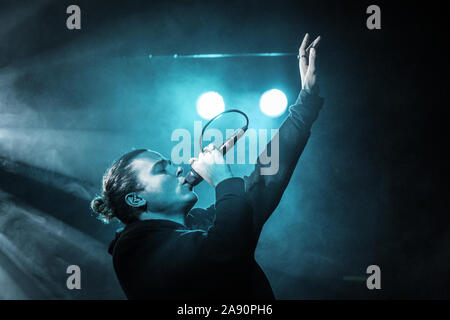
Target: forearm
(264, 187)
(233, 224)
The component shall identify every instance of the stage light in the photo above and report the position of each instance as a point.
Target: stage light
(210, 104)
(273, 103)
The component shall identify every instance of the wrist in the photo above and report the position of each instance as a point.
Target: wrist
(314, 90)
(306, 90)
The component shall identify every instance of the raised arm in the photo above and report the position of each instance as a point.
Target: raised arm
(265, 185)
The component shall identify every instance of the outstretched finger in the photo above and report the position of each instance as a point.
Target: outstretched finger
(304, 43)
(302, 55)
(312, 60)
(316, 42)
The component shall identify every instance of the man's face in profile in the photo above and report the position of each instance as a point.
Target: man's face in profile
(163, 185)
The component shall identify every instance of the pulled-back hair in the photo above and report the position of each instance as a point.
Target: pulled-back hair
(118, 181)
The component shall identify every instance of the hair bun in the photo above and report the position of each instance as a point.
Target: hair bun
(101, 207)
(97, 204)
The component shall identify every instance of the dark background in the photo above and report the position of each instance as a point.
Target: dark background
(370, 188)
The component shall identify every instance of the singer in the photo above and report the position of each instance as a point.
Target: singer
(167, 250)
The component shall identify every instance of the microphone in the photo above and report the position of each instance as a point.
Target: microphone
(193, 178)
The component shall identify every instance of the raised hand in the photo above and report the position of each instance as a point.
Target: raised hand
(307, 65)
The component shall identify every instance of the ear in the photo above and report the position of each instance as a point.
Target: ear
(135, 200)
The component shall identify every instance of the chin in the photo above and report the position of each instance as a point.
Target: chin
(194, 197)
(192, 200)
(187, 200)
(190, 195)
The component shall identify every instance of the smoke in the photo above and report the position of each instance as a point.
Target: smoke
(38, 249)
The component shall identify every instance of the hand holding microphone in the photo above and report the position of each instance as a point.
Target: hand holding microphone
(192, 177)
(211, 166)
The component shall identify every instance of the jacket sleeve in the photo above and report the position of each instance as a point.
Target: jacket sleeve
(267, 182)
(230, 236)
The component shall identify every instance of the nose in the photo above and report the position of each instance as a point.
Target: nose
(179, 171)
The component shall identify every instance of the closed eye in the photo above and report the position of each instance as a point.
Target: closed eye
(159, 167)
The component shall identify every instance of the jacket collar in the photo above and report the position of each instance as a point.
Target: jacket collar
(151, 224)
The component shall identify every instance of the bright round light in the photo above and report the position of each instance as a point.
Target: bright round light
(273, 102)
(210, 104)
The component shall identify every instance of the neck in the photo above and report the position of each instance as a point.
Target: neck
(177, 217)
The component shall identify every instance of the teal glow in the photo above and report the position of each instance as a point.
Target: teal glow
(210, 104)
(273, 103)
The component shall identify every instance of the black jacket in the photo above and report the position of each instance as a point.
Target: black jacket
(213, 257)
